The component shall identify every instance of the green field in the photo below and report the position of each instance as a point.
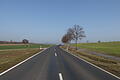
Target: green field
(3, 47)
(111, 48)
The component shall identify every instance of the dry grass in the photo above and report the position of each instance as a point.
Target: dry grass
(12, 57)
(112, 66)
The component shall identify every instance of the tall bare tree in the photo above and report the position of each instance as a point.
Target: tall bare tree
(77, 33)
(70, 33)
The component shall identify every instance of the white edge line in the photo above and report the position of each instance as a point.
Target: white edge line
(60, 76)
(20, 63)
(93, 65)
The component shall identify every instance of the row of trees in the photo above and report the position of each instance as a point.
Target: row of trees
(25, 41)
(73, 34)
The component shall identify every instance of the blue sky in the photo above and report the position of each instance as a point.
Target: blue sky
(46, 21)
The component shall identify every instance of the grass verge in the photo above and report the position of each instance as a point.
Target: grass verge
(12, 57)
(112, 66)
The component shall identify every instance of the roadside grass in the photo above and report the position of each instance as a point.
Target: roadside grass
(12, 57)
(110, 65)
(110, 48)
(23, 46)
(11, 54)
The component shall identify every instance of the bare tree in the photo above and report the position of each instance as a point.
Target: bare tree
(77, 33)
(25, 41)
(99, 41)
(70, 34)
(65, 39)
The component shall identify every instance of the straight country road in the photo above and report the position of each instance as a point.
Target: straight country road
(56, 64)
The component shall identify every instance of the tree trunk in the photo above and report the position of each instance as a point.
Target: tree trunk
(76, 44)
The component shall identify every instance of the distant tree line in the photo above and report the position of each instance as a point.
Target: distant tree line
(73, 34)
(24, 41)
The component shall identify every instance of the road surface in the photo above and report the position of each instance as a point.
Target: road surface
(56, 64)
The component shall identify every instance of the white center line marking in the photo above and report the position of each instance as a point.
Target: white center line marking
(55, 54)
(60, 76)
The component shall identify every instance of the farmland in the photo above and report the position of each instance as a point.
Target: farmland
(110, 48)
(22, 46)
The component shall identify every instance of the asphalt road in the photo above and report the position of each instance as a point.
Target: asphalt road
(56, 64)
